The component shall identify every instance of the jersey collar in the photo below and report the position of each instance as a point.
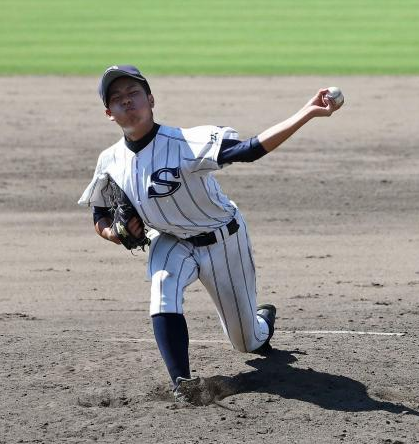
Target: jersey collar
(138, 145)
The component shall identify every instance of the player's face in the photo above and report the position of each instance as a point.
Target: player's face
(129, 104)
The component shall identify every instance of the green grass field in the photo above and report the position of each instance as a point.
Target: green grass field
(210, 37)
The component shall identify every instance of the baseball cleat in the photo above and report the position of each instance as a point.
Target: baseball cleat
(186, 389)
(268, 313)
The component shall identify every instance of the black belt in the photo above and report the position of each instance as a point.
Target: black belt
(205, 239)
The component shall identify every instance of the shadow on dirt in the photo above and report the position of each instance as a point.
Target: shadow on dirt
(274, 375)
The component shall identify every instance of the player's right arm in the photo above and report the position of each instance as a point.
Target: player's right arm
(318, 106)
(256, 147)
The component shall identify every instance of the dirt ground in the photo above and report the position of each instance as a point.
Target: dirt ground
(333, 217)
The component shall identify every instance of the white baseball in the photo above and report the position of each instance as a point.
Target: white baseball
(335, 95)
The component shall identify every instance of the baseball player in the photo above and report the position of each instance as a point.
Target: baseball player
(196, 231)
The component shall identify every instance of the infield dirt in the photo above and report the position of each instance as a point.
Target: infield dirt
(333, 216)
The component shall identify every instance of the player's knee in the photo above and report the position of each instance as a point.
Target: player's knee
(248, 345)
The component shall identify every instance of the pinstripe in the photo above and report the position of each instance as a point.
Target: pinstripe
(137, 182)
(172, 197)
(177, 283)
(151, 255)
(191, 197)
(163, 214)
(191, 273)
(202, 169)
(250, 253)
(216, 192)
(218, 293)
(194, 224)
(103, 195)
(186, 227)
(207, 193)
(142, 210)
(220, 204)
(235, 295)
(165, 218)
(249, 250)
(144, 215)
(247, 290)
(180, 139)
(167, 155)
(153, 148)
(155, 200)
(194, 202)
(137, 179)
(219, 198)
(183, 139)
(178, 278)
(198, 158)
(164, 268)
(183, 214)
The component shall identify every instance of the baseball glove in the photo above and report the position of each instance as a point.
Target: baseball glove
(123, 211)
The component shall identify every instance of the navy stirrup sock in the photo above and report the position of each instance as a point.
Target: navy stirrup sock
(171, 333)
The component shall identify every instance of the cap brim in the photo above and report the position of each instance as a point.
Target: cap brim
(111, 76)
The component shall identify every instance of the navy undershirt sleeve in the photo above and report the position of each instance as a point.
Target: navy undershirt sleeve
(100, 212)
(237, 151)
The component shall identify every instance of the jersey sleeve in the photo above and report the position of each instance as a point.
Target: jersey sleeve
(98, 191)
(202, 147)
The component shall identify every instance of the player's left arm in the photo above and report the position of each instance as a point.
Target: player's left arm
(102, 219)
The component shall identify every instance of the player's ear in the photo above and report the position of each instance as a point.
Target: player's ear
(109, 114)
(151, 100)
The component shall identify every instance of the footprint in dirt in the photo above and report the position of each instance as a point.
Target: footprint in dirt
(102, 397)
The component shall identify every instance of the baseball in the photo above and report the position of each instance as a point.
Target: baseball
(335, 95)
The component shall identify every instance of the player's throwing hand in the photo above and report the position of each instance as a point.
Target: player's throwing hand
(321, 104)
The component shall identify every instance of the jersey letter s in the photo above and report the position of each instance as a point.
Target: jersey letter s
(171, 185)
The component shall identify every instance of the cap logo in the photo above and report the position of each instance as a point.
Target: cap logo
(111, 68)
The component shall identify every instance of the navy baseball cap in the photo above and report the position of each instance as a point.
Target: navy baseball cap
(116, 71)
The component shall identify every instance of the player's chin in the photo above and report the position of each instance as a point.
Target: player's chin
(131, 121)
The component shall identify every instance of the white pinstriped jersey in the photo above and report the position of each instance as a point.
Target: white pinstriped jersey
(169, 181)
